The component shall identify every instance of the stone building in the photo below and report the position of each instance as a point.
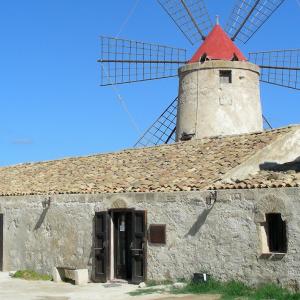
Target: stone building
(227, 206)
(223, 200)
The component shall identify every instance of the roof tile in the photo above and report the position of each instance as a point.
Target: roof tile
(184, 166)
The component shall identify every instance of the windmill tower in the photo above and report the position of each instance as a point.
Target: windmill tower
(218, 87)
(218, 91)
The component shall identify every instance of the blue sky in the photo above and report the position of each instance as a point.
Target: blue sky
(51, 103)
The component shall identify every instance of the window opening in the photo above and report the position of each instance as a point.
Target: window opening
(276, 233)
(203, 58)
(225, 77)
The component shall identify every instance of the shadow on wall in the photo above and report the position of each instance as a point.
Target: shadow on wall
(200, 221)
(41, 218)
(275, 167)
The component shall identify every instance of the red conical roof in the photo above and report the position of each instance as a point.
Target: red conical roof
(218, 46)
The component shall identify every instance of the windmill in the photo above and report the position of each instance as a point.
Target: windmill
(218, 70)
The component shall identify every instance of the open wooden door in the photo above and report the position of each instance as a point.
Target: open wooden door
(138, 246)
(101, 247)
(1, 242)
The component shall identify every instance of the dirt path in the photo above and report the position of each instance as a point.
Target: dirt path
(17, 289)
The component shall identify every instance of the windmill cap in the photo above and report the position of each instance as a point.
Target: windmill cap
(218, 46)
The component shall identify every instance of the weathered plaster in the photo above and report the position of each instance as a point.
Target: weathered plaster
(209, 108)
(220, 238)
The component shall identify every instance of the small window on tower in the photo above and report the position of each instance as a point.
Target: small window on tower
(225, 77)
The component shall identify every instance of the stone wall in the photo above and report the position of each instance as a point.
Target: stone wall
(221, 238)
(208, 107)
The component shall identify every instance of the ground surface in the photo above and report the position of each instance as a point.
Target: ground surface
(18, 289)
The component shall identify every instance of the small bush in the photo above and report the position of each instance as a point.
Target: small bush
(235, 289)
(238, 290)
(31, 275)
(211, 286)
(272, 291)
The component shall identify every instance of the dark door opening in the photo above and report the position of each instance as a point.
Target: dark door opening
(129, 245)
(138, 246)
(122, 240)
(120, 245)
(1, 242)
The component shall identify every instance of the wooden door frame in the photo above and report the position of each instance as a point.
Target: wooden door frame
(112, 252)
(107, 246)
(145, 249)
(112, 240)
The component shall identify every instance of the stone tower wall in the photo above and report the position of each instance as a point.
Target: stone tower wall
(209, 107)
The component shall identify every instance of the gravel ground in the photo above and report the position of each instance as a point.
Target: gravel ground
(18, 289)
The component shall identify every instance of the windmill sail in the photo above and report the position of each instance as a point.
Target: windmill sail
(267, 124)
(126, 61)
(190, 16)
(163, 130)
(279, 67)
(248, 16)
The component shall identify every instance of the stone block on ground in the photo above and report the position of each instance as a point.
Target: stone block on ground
(142, 285)
(55, 275)
(81, 276)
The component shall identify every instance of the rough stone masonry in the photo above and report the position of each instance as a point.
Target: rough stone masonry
(211, 194)
(220, 238)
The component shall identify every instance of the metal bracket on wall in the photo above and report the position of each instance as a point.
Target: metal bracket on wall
(211, 199)
(46, 203)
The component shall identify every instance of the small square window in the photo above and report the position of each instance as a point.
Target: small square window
(273, 234)
(157, 234)
(225, 77)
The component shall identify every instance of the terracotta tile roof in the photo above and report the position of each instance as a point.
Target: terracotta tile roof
(262, 179)
(185, 166)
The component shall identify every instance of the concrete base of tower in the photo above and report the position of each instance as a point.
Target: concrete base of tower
(218, 98)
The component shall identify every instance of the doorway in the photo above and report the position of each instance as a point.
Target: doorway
(120, 245)
(122, 226)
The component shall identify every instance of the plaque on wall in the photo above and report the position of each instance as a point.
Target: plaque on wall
(157, 234)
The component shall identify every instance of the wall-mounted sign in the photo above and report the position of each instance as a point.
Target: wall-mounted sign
(122, 226)
(157, 234)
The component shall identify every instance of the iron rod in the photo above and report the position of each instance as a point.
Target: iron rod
(148, 79)
(277, 50)
(192, 18)
(140, 42)
(142, 61)
(169, 137)
(280, 68)
(278, 84)
(188, 38)
(245, 20)
(268, 123)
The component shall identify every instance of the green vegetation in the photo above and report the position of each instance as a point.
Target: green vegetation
(153, 287)
(232, 290)
(31, 275)
(150, 283)
(237, 290)
(146, 291)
